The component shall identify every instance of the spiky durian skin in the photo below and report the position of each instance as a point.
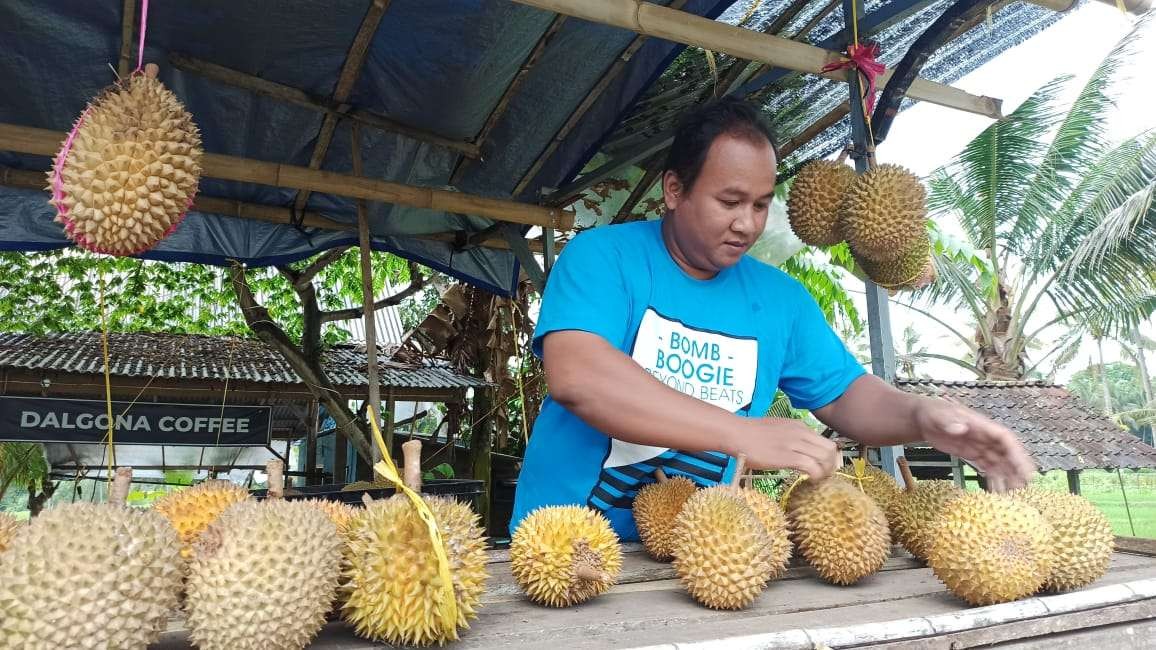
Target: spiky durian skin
(990, 548)
(915, 509)
(839, 530)
(341, 514)
(883, 488)
(815, 199)
(393, 584)
(9, 526)
(89, 575)
(191, 510)
(655, 507)
(263, 575)
(1082, 538)
(904, 271)
(884, 213)
(774, 521)
(132, 169)
(722, 554)
(549, 545)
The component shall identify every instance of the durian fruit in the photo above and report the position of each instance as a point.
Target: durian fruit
(775, 522)
(908, 271)
(884, 213)
(815, 199)
(130, 173)
(655, 507)
(263, 575)
(366, 485)
(878, 485)
(341, 514)
(918, 505)
(1082, 539)
(393, 585)
(722, 552)
(839, 530)
(90, 575)
(9, 526)
(564, 555)
(990, 548)
(191, 510)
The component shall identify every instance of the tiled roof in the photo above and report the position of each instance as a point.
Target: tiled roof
(187, 356)
(1059, 430)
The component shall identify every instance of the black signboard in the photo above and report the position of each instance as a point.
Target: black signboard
(41, 419)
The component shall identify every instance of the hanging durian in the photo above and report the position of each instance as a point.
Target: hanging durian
(9, 526)
(839, 530)
(263, 575)
(90, 575)
(909, 271)
(564, 555)
(883, 214)
(129, 171)
(191, 510)
(1082, 539)
(655, 507)
(724, 553)
(990, 548)
(917, 507)
(815, 199)
(393, 587)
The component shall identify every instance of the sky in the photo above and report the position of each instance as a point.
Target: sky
(926, 136)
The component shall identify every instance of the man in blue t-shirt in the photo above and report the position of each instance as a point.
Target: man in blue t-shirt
(663, 346)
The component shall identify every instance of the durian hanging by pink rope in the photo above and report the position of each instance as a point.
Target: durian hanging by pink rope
(130, 168)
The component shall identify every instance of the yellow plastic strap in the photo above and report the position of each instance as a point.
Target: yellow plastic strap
(448, 608)
(860, 468)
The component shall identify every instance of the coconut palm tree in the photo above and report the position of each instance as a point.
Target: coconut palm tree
(1062, 218)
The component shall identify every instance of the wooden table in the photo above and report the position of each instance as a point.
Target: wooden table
(902, 607)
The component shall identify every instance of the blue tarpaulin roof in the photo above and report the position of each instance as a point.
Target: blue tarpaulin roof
(436, 65)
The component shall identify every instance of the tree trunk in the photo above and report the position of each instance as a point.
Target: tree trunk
(992, 355)
(480, 443)
(1104, 377)
(1142, 364)
(36, 500)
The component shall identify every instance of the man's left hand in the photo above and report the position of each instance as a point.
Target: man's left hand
(991, 448)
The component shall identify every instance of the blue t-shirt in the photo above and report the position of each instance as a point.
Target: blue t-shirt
(731, 341)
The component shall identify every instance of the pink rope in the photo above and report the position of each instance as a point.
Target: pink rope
(144, 19)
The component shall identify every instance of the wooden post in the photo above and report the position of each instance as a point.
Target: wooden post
(367, 296)
(957, 472)
(391, 420)
(1074, 481)
(480, 448)
(313, 424)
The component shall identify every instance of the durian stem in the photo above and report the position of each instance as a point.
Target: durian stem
(151, 70)
(411, 470)
(905, 470)
(118, 493)
(584, 571)
(276, 471)
(862, 451)
(740, 468)
(660, 476)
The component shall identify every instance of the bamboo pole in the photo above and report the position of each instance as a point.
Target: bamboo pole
(271, 213)
(367, 297)
(127, 22)
(681, 27)
(45, 142)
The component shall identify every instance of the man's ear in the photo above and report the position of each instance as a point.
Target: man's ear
(672, 190)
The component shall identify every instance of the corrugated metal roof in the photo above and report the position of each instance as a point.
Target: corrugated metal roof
(187, 356)
(1058, 429)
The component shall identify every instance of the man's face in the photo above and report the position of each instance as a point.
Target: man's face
(712, 226)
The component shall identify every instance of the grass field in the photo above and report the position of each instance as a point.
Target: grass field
(1103, 489)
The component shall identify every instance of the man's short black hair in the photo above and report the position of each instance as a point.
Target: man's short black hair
(698, 129)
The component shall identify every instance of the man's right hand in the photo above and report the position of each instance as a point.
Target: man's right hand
(779, 443)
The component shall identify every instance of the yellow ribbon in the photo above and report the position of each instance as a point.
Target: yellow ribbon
(860, 469)
(448, 608)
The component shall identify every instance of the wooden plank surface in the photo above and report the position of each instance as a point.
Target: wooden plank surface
(650, 607)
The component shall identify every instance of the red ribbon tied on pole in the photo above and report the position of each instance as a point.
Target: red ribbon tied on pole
(862, 57)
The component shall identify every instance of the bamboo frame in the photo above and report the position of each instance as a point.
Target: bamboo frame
(128, 21)
(367, 298)
(291, 95)
(689, 29)
(259, 212)
(609, 76)
(45, 142)
(1135, 7)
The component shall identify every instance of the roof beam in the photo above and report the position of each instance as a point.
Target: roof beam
(349, 73)
(663, 22)
(610, 75)
(45, 142)
(31, 180)
(511, 90)
(329, 107)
